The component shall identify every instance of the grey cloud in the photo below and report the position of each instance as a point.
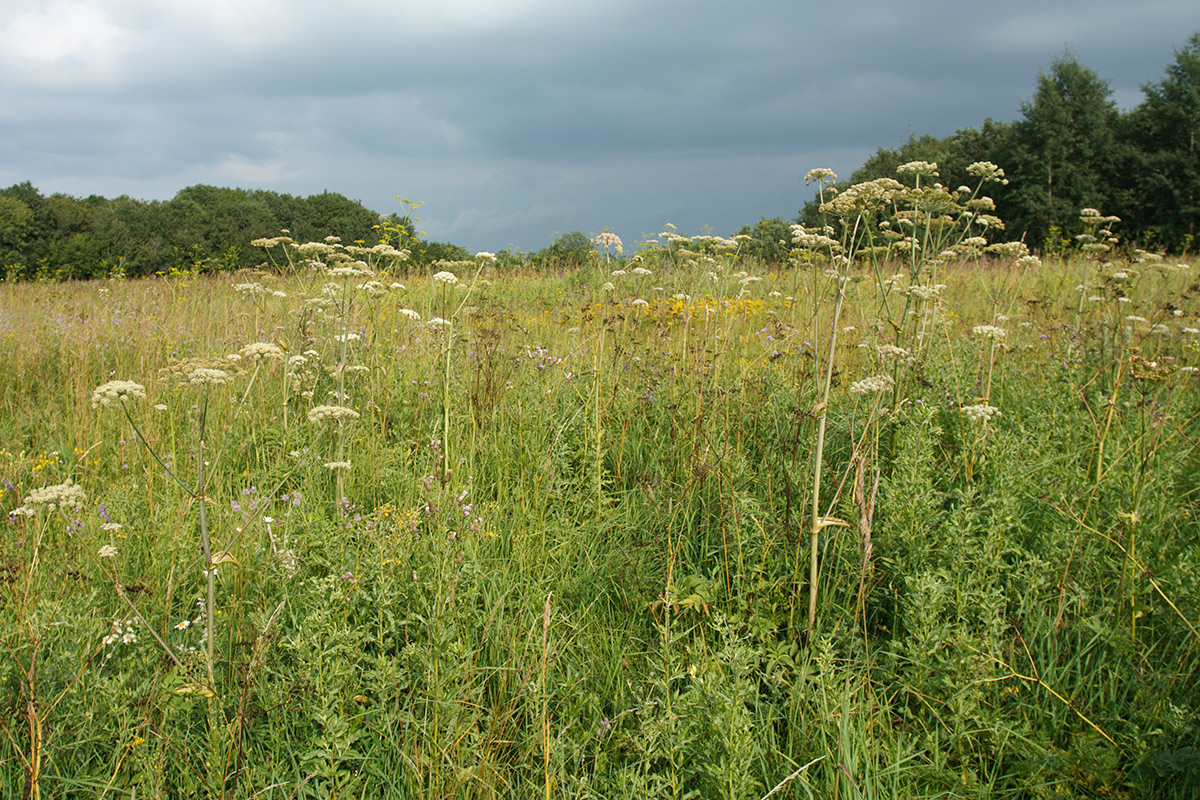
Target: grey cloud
(549, 116)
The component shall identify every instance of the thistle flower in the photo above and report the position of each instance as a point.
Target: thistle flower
(336, 413)
(106, 394)
(446, 277)
(871, 385)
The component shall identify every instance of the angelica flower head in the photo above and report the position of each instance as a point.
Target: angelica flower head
(608, 239)
(446, 277)
(106, 394)
(890, 352)
(990, 332)
(987, 171)
(819, 175)
(49, 498)
(355, 269)
(204, 376)
(107, 551)
(980, 413)
(373, 288)
(261, 350)
(871, 385)
(335, 413)
(483, 255)
(926, 168)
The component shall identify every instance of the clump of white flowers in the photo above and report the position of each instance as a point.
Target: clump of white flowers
(205, 376)
(872, 385)
(990, 332)
(890, 352)
(106, 394)
(333, 413)
(261, 350)
(48, 498)
(446, 277)
(980, 413)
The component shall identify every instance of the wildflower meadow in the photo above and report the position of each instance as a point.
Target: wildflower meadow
(913, 513)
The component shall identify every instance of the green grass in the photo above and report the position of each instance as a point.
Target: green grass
(598, 585)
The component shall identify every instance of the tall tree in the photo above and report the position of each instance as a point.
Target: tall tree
(1063, 151)
(1163, 170)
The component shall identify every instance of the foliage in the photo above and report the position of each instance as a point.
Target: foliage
(1062, 152)
(769, 241)
(1072, 149)
(567, 251)
(540, 534)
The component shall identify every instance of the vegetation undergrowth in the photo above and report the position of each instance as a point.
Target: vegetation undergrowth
(915, 516)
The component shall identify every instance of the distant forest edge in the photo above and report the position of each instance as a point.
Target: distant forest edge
(200, 229)
(1071, 149)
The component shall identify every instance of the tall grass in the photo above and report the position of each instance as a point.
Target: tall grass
(567, 557)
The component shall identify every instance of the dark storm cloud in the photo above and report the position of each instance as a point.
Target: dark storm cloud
(515, 120)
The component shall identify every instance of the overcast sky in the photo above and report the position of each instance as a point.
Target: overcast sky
(515, 120)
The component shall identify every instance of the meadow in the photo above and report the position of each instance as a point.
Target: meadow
(913, 515)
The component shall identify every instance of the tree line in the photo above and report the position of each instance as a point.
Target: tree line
(201, 229)
(1071, 149)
